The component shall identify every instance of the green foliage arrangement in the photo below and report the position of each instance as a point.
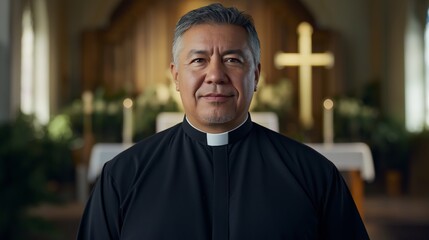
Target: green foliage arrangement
(388, 139)
(31, 155)
(107, 115)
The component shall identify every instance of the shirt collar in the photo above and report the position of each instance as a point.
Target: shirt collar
(217, 139)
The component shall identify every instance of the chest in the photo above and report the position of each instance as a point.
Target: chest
(176, 199)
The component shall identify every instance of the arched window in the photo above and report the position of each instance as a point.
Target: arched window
(416, 80)
(27, 63)
(34, 90)
(426, 43)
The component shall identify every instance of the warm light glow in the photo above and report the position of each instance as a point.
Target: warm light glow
(128, 103)
(328, 104)
(305, 59)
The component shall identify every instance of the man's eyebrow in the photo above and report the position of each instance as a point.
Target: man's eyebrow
(195, 51)
(204, 52)
(234, 51)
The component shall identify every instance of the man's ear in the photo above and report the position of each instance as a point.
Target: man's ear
(257, 74)
(174, 74)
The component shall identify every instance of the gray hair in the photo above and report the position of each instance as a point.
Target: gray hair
(217, 14)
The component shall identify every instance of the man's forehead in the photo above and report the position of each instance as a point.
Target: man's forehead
(225, 37)
(228, 32)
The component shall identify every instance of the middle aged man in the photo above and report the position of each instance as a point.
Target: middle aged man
(217, 175)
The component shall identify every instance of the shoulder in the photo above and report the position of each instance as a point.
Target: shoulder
(125, 167)
(284, 142)
(317, 175)
(295, 152)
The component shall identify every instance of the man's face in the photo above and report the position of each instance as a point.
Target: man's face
(216, 76)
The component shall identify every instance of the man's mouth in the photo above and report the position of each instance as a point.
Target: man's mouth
(216, 97)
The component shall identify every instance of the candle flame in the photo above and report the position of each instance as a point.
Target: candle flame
(128, 103)
(328, 104)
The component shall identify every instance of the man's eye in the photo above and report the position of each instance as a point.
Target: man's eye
(232, 60)
(197, 60)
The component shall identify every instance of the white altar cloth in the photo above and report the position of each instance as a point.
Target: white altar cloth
(100, 154)
(349, 156)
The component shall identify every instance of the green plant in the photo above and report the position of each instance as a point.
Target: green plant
(388, 139)
(29, 159)
(107, 113)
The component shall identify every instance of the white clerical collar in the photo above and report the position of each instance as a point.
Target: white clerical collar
(217, 139)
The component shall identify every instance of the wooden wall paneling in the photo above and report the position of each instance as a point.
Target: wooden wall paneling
(134, 50)
(286, 16)
(91, 53)
(140, 58)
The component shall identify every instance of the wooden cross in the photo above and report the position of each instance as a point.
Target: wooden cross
(305, 59)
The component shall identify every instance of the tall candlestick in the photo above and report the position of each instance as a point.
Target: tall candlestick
(127, 130)
(87, 100)
(328, 121)
(82, 189)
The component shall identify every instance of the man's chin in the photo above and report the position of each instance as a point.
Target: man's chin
(216, 119)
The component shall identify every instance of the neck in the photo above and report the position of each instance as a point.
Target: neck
(216, 131)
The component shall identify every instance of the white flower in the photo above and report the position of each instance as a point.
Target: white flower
(349, 107)
(275, 96)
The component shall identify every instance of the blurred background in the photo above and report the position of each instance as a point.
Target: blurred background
(67, 66)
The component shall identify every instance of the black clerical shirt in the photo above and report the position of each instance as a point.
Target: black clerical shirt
(250, 183)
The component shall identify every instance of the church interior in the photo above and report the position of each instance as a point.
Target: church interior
(75, 74)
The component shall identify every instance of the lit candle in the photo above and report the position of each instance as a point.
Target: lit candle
(328, 121)
(127, 130)
(88, 138)
(87, 102)
(87, 99)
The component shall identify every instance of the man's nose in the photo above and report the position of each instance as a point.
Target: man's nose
(216, 73)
